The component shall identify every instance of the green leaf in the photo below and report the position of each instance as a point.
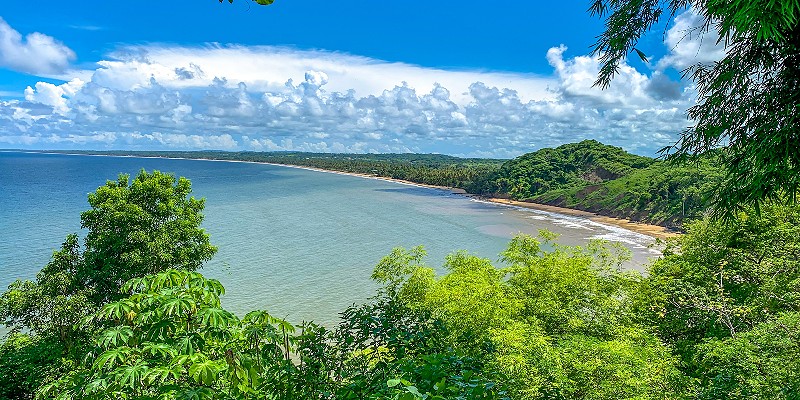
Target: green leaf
(413, 390)
(641, 54)
(132, 375)
(201, 393)
(205, 372)
(119, 310)
(189, 344)
(109, 359)
(178, 306)
(116, 336)
(162, 374)
(97, 386)
(216, 318)
(160, 349)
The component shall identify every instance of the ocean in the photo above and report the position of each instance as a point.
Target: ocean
(299, 244)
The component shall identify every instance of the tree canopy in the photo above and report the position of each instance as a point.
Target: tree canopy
(133, 228)
(140, 227)
(748, 102)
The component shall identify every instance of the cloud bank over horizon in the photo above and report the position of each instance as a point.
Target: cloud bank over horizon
(266, 98)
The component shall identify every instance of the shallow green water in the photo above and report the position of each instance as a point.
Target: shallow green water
(300, 244)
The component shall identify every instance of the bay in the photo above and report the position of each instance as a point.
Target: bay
(300, 244)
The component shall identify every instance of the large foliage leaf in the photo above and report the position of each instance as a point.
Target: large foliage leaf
(112, 358)
(206, 371)
(131, 376)
(162, 350)
(116, 336)
(216, 318)
(198, 393)
(178, 306)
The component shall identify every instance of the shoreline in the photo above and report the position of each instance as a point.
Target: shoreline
(655, 231)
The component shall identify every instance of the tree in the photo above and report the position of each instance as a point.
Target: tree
(138, 228)
(170, 338)
(763, 363)
(552, 324)
(748, 102)
(725, 297)
(134, 228)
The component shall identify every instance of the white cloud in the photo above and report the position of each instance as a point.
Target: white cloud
(266, 68)
(52, 95)
(36, 54)
(267, 98)
(91, 28)
(689, 43)
(578, 75)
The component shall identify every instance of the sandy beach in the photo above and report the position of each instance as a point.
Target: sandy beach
(655, 231)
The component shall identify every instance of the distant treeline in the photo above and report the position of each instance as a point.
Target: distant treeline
(587, 176)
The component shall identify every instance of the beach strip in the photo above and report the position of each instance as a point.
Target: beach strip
(655, 231)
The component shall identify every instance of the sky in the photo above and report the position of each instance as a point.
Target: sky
(465, 78)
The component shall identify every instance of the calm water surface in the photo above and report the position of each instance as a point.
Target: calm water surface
(300, 244)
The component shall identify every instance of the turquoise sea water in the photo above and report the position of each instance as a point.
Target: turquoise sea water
(300, 244)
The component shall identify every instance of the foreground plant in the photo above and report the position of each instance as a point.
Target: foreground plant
(171, 339)
(134, 227)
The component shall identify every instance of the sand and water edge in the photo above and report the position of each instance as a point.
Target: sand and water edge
(654, 231)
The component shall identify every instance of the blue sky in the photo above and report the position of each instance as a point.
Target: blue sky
(466, 78)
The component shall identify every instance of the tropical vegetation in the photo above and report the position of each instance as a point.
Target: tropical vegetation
(609, 181)
(715, 318)
(747, 102)
(124, 314)
(428, 169)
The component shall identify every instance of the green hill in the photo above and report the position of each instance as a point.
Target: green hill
(609, 181)
(565, 166)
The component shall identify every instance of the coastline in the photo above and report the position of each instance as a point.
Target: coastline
(655, 231)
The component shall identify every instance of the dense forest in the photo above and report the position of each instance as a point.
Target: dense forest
(609, 181)
(123, 314)
(589, 176)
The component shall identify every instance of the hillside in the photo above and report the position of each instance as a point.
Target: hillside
(661, 194)
(609, 181)
(565, 166)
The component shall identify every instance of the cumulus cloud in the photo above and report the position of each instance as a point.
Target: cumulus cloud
(36, 54)
(267, 68)
(690, 42)
(55, 96)
(268, 98)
